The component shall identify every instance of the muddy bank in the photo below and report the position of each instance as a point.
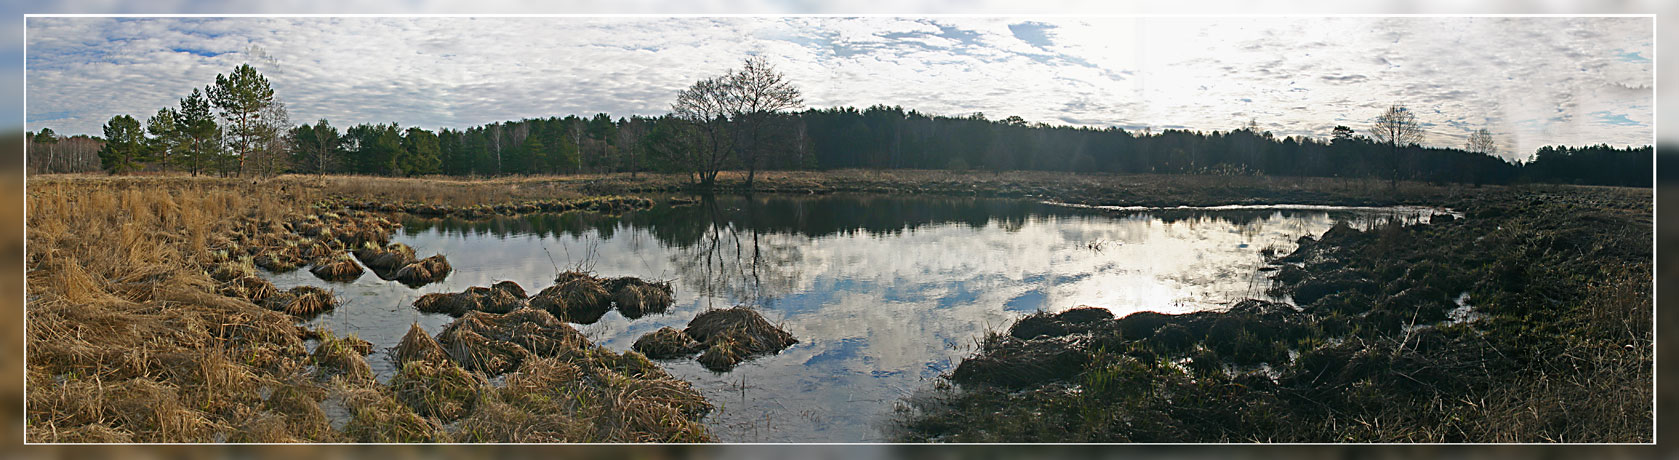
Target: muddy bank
(1528, 321)
(600, 204)
(1088, 189)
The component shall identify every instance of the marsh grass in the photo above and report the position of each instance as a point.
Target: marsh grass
(1561, 353)
(129, 338)
(148, 321)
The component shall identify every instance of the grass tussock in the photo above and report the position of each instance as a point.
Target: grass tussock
(635, 298)
(582, 298)
(503, 297)
(495, 344)
(302, 301)
(385, 258)
(666, 343)
(416, 345)
(438, 389)
(343, 358)
(424, 271)
(338, 267)
(725, 337)
(575, 297)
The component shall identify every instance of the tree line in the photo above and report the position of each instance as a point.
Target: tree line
(752, 119)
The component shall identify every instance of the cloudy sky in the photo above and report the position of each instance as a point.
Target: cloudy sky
(1531, 80)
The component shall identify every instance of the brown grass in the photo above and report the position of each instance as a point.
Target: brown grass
(302, 301)
(146, 323)
(634, 297)
(416, 345)
(423, 271)
(666, 343)
(574, 298)
(337, 267)
(342, 357)
(500, 299)
(128, 337)
(389, 257)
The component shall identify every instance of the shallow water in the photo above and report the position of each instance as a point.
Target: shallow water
(882, 293)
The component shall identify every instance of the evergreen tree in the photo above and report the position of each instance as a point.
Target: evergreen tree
(125, 145)
(242, 97)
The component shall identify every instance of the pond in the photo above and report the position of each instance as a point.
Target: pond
(883, 293)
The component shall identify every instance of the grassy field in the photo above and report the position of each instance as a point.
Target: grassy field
(134, 335)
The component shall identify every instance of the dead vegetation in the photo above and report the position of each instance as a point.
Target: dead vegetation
(582, 298)
(502, 297)
(1559, 348)
(724, 338)
(424, 271)
(303, 301)
(337, 267)
(387, 258)
(666, 343)
(148, 320)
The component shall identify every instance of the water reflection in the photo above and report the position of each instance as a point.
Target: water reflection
(883, 293)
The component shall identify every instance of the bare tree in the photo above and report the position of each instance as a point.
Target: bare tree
(759, 95)
(1481, 142)
(1398, 128)
(740, 113)
(705, 107)
(274, 153)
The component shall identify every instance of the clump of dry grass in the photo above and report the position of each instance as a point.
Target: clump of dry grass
(377, 416)
(416, 345)
(732, 335)
(578, 299)
(320, 249)
(302, 301)
(300, 404)
(423, 271)
(666, 343)
(494, 344)
(342, 357)
(504, 297)
(249, 287)
(589, 395)
(511, 288)
(635, 297)
(337, 267)
(438, 389)
(389, 257)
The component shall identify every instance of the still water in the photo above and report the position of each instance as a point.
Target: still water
(883, 294)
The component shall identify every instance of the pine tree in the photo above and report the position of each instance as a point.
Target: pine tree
(242, 98)
(125, 145)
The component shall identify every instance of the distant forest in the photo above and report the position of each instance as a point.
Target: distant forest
(252, 135)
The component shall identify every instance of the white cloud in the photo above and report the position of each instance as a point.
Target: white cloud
(1534, 81)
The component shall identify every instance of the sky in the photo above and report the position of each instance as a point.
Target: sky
(1532, 81)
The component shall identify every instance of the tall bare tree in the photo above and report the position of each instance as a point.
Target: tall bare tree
(759, 94)
(739, 114)
(1397, 128)
(705, 108)
(1481, 141)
